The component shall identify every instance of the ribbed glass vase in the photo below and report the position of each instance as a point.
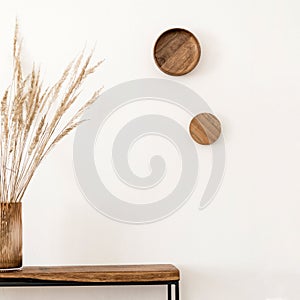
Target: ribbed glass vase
(10, 236)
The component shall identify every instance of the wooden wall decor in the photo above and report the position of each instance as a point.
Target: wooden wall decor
(205, 128)
(177, 52)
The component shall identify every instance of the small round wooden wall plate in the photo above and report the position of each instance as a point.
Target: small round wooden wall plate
(177, 52)
(205, 129)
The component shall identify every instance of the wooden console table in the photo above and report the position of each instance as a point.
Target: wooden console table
(95, 276)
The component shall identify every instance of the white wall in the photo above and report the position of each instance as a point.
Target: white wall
(245, 245)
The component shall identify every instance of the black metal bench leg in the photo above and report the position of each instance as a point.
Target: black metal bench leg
(169, 291)
(177, 290)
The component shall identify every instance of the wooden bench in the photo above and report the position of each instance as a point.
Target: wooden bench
(95, 276)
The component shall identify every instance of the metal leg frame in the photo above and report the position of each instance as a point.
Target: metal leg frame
(176, 284)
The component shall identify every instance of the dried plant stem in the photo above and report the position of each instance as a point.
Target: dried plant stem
(32, 119)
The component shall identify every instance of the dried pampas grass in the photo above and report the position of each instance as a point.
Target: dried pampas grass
(32, 119)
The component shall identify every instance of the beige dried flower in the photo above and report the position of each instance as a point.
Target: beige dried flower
(32, 119)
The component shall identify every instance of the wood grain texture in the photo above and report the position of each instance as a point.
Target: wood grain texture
(205, 129)
(177, 52)
(89, 274)
(10, 235)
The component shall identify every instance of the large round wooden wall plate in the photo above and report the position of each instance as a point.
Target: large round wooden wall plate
(177, 52)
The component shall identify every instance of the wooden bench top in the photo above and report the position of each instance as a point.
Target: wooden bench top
(94, 274)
